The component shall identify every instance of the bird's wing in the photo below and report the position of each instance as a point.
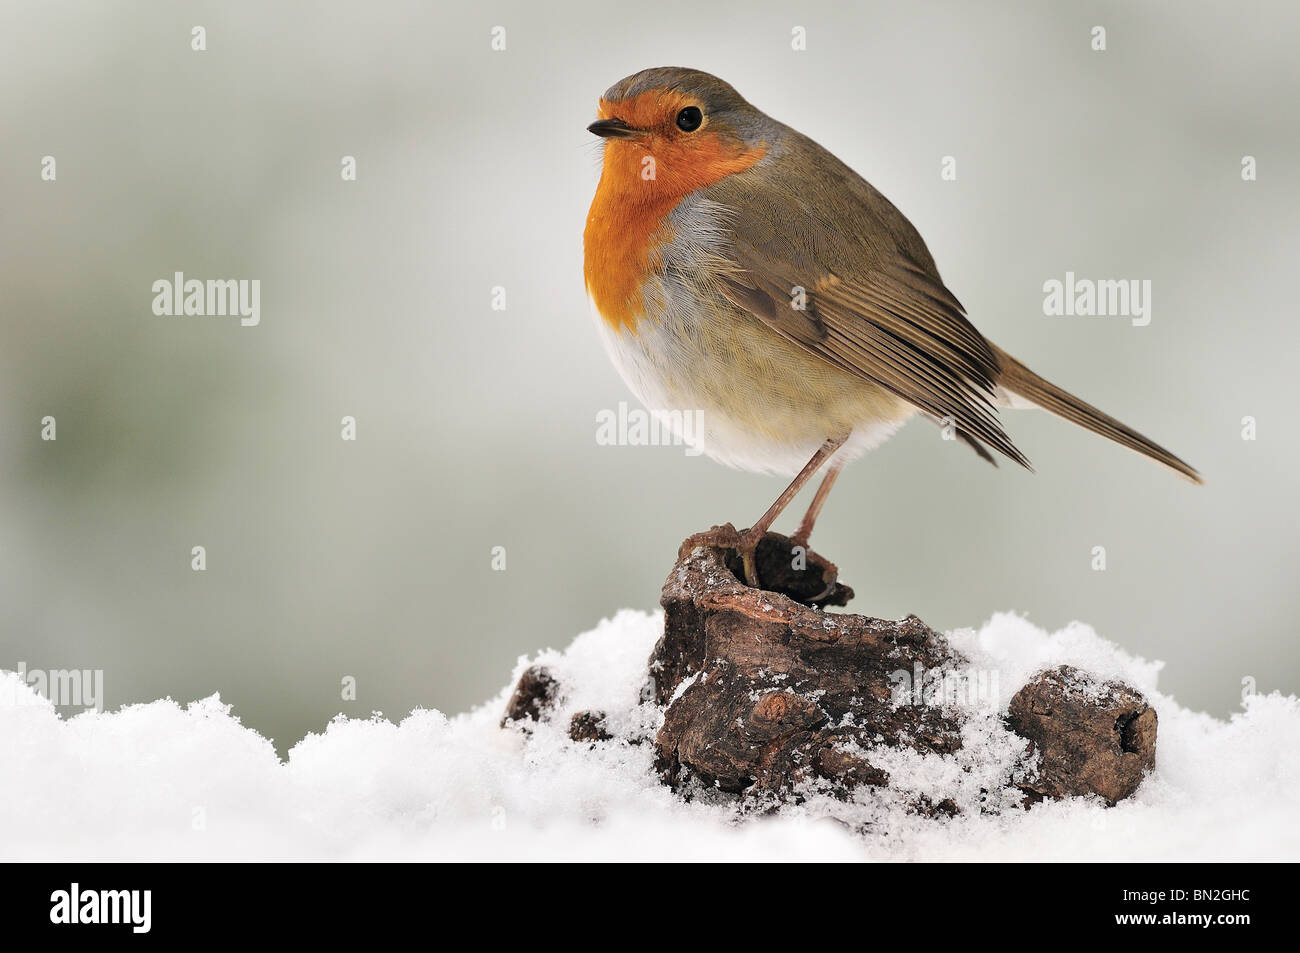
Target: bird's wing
(871, 304)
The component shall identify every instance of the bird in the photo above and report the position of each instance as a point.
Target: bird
(739, 270)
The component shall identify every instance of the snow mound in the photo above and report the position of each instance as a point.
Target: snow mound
(166, 781)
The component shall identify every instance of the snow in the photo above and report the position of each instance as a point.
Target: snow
(165, 781)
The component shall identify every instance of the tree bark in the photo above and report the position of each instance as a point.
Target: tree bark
(764, 692)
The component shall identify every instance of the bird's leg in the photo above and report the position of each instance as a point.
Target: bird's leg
(746, 543)
(750, 539)
(800, 537)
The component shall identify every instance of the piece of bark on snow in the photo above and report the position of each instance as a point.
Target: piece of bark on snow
(762, 690)
(533, 695)
(757, 685)
(588, 726)
(1093, 737)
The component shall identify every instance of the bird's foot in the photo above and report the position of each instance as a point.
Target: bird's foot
(727, 536)
(789, 566)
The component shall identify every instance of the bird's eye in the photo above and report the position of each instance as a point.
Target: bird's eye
(689, 119)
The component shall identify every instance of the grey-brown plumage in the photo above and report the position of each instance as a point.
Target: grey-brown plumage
(740, 271)
(875, 303)
(754, 278)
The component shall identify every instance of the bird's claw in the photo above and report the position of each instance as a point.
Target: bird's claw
(830, 587)
(727, 536)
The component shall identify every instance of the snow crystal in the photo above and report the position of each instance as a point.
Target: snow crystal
(170, 781)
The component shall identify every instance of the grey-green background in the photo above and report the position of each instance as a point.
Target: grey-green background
(477, 427)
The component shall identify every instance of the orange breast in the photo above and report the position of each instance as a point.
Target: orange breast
(641, 182)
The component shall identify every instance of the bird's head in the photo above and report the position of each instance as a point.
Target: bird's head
(675, 130)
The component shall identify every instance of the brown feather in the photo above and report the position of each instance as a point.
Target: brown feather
(1023, 382)
(875, 305)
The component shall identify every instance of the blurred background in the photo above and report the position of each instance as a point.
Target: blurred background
(476, 427)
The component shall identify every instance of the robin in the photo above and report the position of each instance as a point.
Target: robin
(738, 269)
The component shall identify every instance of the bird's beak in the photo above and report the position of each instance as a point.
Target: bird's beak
(612, 129)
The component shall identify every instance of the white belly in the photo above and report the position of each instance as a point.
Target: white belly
(765, 405)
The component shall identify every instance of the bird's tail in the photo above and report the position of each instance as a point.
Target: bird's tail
(1024, 383)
